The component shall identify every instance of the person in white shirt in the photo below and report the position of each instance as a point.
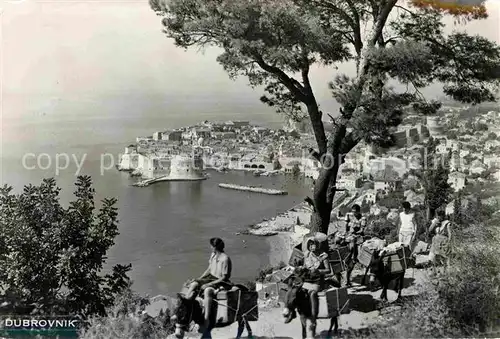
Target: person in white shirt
(407, 225)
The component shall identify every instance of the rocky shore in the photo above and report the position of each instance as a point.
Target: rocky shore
(289, 221)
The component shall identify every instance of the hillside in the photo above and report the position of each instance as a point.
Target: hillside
(366, 310)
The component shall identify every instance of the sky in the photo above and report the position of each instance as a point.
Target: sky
(61, 58)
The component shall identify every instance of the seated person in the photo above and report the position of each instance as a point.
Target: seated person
(217, 275)
(318, 266)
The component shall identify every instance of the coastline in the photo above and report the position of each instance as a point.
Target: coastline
(283, 222)
(282, 244)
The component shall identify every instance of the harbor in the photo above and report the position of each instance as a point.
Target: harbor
(254, 189)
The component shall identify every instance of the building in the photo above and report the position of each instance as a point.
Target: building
(457, 180)
(240, 123)
(312, 168)
(477, 167)
(387, 180)
(442, 148)
(129, 161)
(143, 139)
(491, 161)
(260, 130)
(290, 165)
(175, 135)
(255, 162)
(491, 144)
(370, 197)
(434, 126)
(414, 198)
(201, 133)
(223, 135)
(349, 182)
(184, 167)
(496, 175)
(157, 136)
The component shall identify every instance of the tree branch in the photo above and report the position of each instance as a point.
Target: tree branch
(314, 154)
(312, 105)
(293, 85)
(353, 22)
(381, 20)
(356, 22)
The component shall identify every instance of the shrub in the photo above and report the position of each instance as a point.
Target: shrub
(470, 287)
(426, 316)
(51, 257)
(125, 319)
(263, 272)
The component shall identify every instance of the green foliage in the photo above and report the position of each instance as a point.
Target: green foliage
(481, 127)
(265, 271)
(427, 316)
(296, 170)
(392, 199)
(438, 189)
(125, 319)
(492, 136)
(433, 176)
(276, 165)
(51, 257)
(382, 228)
(294, 134)
(464, 302)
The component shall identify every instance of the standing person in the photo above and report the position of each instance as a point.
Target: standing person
(407, 225)
(216, 275)
(355, 227)
(441, 241)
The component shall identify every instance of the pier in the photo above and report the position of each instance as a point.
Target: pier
(253, 189)
(148, 182)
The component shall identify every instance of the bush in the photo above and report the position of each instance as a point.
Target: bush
(263, 272)
(470, 288)
(51, 257)
(427, 316)
(381, 228)
(125, 319)
(466, 300)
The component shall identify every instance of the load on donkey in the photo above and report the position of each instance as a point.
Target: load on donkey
(313, 291)
(222, 304)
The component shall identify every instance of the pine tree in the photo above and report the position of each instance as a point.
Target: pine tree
(457, 209)
(276, 44)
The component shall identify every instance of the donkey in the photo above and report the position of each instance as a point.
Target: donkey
(188, 310)
(384, 276)
(298, 299)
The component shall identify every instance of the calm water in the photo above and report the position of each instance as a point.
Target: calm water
(164, 228)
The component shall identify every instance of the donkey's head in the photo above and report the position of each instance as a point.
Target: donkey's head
(185, 311)
(295, 299)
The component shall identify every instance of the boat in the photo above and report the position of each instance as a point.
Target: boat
(253, 189)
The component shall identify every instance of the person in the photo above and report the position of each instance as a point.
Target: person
(441, 240)
(355, 222)
(316, 262)
(217, 275)
(407, 225)
(355, 227)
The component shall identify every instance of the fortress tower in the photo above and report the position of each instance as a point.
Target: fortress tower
(434, 126)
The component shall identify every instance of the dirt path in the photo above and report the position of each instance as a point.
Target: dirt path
(366, 308)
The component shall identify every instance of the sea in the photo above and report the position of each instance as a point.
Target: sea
(164, 228)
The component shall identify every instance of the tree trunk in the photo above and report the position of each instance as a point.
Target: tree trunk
(324, 193)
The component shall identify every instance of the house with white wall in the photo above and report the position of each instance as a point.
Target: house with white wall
(457, 180)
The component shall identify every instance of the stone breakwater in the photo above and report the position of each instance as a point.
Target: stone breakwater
(253, 189)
